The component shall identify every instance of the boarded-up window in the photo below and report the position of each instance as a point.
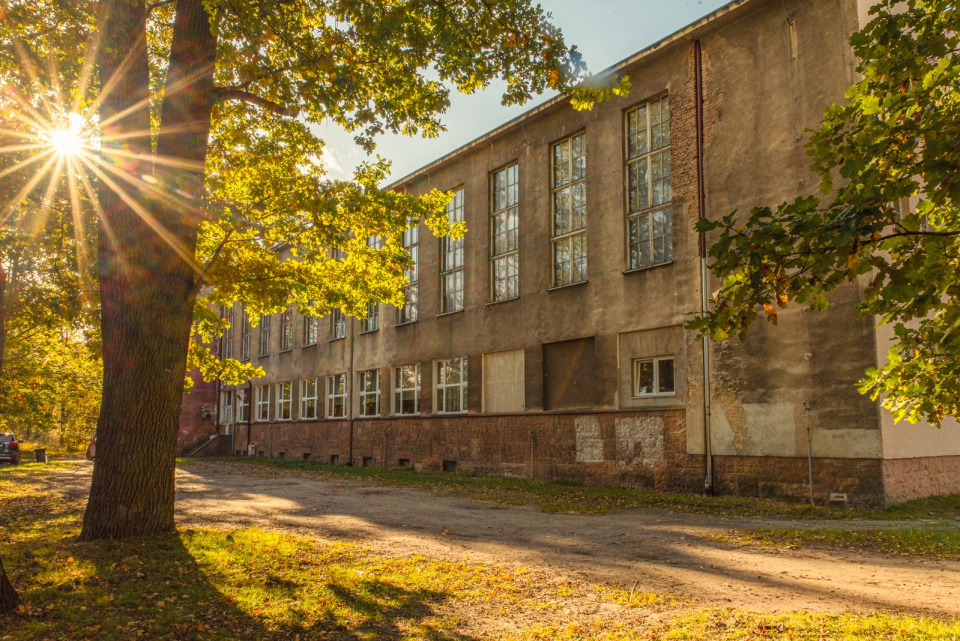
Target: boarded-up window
(569, 379)
(503, 381)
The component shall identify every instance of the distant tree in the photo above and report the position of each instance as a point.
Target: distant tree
(889, 160)
(207, 113)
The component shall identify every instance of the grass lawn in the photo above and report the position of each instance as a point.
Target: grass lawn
(565, 496)
(942, 543)
(254, 584)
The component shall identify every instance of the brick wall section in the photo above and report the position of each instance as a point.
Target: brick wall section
(617, 449)
(911, 478)
(194, 429)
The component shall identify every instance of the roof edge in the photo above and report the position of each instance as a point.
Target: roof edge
(664, 42)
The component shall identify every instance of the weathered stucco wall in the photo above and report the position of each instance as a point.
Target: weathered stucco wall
(770, 68)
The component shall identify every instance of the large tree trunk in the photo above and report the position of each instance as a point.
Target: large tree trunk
(147, 280)
(8, 596)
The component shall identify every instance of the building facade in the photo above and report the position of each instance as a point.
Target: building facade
(548, 343)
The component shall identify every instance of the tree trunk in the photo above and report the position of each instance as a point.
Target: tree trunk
(8, 596)
(147, 280)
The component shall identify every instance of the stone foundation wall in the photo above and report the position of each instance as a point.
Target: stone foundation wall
(913, 478)
(620, 449)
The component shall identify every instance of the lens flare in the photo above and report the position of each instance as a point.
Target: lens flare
(68, 141)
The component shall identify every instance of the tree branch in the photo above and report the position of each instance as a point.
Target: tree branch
(159, 3)
(235, 93)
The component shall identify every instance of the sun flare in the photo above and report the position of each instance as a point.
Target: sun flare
(68, 140)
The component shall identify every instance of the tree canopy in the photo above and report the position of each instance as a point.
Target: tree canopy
(188, 129)
(888, 215)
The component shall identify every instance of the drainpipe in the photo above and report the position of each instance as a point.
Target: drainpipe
(702, 212)
(349, 387)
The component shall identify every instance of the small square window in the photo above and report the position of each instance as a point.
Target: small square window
(334, 459)
(367, 461)
(654, 377)
(449, 466)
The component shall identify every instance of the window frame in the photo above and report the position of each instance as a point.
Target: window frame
(399, 390)
(311, 330)
(363, 393)
(332, 397)
(266, 320)
(226, 407)
(410, 312)
(649, 212)
(572, 235)
(506, 210)
(303, 414)
(227, 337)
(371, 323)
(455, 214)
(262, 414)
(246, 334)
(440, 386)
(635, 378)
(284, 401)
(338, 324)
(244, 406)
(286, 330)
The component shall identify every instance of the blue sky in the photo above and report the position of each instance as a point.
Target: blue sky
(605, 31)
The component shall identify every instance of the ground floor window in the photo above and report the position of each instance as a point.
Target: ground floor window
(369, 393)
(226, 407)
(284, 401)
(452, 385)
(337, 396)
(263, 403)
(243, 406)
(653, 376)
(406, 391)
(308, 398)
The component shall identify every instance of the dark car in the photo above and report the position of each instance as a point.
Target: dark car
(9, 450)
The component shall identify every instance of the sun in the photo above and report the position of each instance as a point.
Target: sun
(69, 140)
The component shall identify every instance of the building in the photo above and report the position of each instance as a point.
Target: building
(549, 342)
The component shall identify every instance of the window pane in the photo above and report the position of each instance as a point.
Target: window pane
(452, 399)
(579, 208)
(665, 372)
(644, 375)
(561, 212)
(638, 187)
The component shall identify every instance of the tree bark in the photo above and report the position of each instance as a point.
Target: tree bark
(8, 596)
(147, 281)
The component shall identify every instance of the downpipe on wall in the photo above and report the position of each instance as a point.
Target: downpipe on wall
(702, 206)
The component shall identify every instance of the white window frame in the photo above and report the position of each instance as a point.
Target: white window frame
(263, 403)
(227, 339)
(363, 393)
(335, 399)
(441, 385)
(338, 324)
(265, 321)
(286, 330)
(410, 311)
(655, 361)
(399, 390)
(285, 401)
(564, 180)
(246, 334)
(452, 260)
(372, 322)
(311, 330)
(226, 407)
(243, 406)
(504, 239)
(306, 414)
(655, 164)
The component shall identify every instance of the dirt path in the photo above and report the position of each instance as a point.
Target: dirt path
(659, 551)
